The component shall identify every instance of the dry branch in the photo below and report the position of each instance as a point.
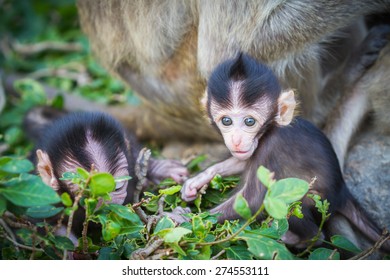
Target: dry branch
(31, 49)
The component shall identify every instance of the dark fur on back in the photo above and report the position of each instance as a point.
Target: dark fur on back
(302, 151)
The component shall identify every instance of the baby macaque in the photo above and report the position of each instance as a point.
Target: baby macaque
(247, 106)
(65, 141)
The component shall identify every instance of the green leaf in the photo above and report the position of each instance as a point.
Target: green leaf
(197, 202)
(276, 208)
(296, 209)
(171, 190)
(167, 182)
(108, 253)
(25, 235)
(177, 248)
(322, 206)
(282, 193)
(15, 166)
(193, 165)
(63, 243)
(204, 253)
(45, 211)
(324, 254)
(58, 102)
(238, 252)
(90, 205)
(110, 229)
(173, 235)
(217, 182)
(265, 176)
(67, 176)
(13, 135)
(101, 184)
(128, 227)
(289, 190)
(125, 213)
(84, 174)
(91, 247)
(122, 178)
(198, 227)
(29, 191)
(213, 196)
(163, 223)
(343, 243)
(266, 248)
(241, 206)
(66, 200)
(3, 205)
(31, 91)
(277, 229)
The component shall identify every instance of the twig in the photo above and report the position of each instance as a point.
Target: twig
(143, 253)
(332, 254)
(141, 213)
(160, 253)
(7, 218)
(366, 253)
(160, 204)
(71, 216)
(203, 189)
(23, 246)
(8, 231)
(81, 78)
(313, 180)
(138, 210)
(139, 204)
(84, 236)
(59, 223)
(34, 248)
(141, 170)
(70, 220)
(31, 49)
(218, 255)
(247, 223)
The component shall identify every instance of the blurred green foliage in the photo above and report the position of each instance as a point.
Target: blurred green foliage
(23, 26)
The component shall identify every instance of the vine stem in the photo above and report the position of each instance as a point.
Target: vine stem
(247, 223)
(316, 237)
(70, 221)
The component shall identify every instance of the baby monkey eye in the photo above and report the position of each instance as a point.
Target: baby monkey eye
(227, 121)
(249, 121)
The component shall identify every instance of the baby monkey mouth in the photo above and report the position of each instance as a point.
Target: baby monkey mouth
(240, 152)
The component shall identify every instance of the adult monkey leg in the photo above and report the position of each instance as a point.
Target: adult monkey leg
(165, 50)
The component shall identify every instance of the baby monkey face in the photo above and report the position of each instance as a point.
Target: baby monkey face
(239, 129)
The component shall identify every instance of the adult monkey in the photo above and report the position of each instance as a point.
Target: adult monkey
(165, 50)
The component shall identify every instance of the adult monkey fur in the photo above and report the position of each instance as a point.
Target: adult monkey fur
(165, 50)
(246, 104)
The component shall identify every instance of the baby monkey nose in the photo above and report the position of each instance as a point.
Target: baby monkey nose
(236, 140)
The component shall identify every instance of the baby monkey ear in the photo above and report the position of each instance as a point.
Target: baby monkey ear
(45, 170)
(203, 100)
(203, 103)
(286, 106)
